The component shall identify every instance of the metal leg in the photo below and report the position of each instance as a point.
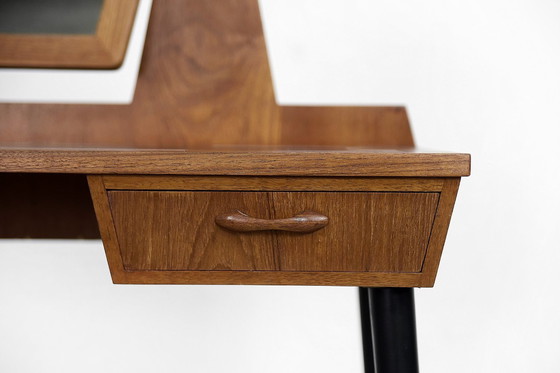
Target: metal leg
(394, 330)
(367, 336)
(393, 327)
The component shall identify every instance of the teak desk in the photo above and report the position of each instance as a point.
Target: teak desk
(204, 179)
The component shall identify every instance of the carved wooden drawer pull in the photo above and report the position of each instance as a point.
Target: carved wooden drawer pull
(305, 222)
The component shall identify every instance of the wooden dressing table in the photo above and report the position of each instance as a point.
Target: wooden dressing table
(204, 179)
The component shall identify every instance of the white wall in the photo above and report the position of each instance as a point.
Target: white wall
(477, 76)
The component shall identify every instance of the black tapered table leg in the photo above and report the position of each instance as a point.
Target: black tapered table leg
(393, 326)
(367, 336)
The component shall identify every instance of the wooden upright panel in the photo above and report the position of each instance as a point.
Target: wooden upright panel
(204, 80)
(352, 126)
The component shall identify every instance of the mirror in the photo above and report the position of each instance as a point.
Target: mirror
(90, 34)
(49, 17)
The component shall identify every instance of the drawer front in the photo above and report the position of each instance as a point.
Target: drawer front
(366, 232)
(379, 232)
(176, 231)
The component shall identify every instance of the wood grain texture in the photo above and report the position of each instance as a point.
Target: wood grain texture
(353, 126)
(439, 232)
(302, 222)
(176, 231)
(114, 29)
(377, 232)
(357, 162)
(369, 279)
(104, 50)
(204, 80)
(271, 183)
(106, 226)
(344, 256)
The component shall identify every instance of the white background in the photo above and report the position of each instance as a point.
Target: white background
(477, 76)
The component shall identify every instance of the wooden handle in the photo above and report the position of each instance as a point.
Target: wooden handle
(306, 222)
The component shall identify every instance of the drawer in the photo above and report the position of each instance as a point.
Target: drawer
(169, 230)
(158, 228)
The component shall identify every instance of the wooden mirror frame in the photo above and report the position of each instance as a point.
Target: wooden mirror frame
(103, 50)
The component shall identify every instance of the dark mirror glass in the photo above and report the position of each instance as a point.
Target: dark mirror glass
(49, 16)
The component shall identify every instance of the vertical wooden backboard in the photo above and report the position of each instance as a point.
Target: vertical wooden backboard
(204, 80)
